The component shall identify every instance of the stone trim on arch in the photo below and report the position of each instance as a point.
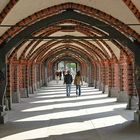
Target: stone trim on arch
(57, 8)
(61, 48)
(7, 9)
(133, 8)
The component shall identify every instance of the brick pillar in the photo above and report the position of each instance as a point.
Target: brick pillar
(123, 94)
(90, 82)
(103, 77)
(106, 77)
(38, 75)
(34, 77)
(51, 71)
(115, 80)
(50, 77)
(43, 74)
(132, 99)
(8, 99)
(110, 78)
(84, 72)
(15, 83)
(24, 78)
(3, 84)
(131, 88)
(137, 87)
(98, 76)
(30, 74)
(95, 75)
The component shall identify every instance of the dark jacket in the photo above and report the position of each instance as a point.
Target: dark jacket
(68, 79)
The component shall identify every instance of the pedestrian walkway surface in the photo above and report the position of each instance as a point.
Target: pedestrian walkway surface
(50, 115)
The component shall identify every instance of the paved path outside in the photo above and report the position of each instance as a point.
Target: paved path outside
(50, 115)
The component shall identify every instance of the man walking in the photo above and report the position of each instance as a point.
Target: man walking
(68, 80)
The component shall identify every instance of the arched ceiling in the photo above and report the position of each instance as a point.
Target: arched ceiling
(69, 37)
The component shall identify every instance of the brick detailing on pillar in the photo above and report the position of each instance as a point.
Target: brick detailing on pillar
(116, 75)
(131, 86)
(123, 72)
(8, 89)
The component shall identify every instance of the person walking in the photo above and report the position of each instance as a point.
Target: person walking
(60, 75)
(78, 82)
(68, 81)
(57, 76)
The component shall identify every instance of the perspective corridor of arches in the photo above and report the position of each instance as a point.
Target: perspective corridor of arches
(97, 43)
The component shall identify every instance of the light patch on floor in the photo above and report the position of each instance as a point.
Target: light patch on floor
(62, 115)
(69, 128)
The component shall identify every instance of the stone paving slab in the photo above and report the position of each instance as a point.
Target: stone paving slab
(50, 115)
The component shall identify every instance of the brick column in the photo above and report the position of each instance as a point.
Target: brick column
(43, 74)
(31, 81)
(95, 75)
(107, 75)
(90, 82)
(38, 75)
(98, 76)
(123, 75)
(15, 83)
(34, 77)
(137, 87)
(84, 70)
(103, 77)
(24, 86)
(8, 98)
(115, 80)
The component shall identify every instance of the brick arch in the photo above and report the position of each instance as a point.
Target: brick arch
(65, 55)
(7, 9)
(129, 55)
(31, 27)
(76, 50)
(61, 48)
(97, 51)
(80, 27)
(133, 8)
(26, 48)
(84, 9)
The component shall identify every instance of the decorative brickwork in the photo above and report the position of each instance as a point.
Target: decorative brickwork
(84, 9)
(133, 8)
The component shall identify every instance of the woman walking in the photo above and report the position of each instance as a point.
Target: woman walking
(78, 82)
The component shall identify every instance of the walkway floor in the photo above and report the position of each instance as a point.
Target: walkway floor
(50, 115)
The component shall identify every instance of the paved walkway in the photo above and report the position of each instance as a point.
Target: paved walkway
(50, 115)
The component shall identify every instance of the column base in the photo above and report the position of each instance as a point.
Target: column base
(3, 116)
(101, 87)
(97, 85)
(137, 116)
(132, 103)
(38, 85)
(113, 92)
(122, 96)
(24, 93)
(15, 97)
(106, 89)
(31, 90)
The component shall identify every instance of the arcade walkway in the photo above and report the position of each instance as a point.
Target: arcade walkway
(50, 115)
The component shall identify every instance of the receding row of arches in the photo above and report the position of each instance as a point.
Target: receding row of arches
(105, 55)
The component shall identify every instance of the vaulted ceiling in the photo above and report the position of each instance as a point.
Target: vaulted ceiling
(85, 30)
